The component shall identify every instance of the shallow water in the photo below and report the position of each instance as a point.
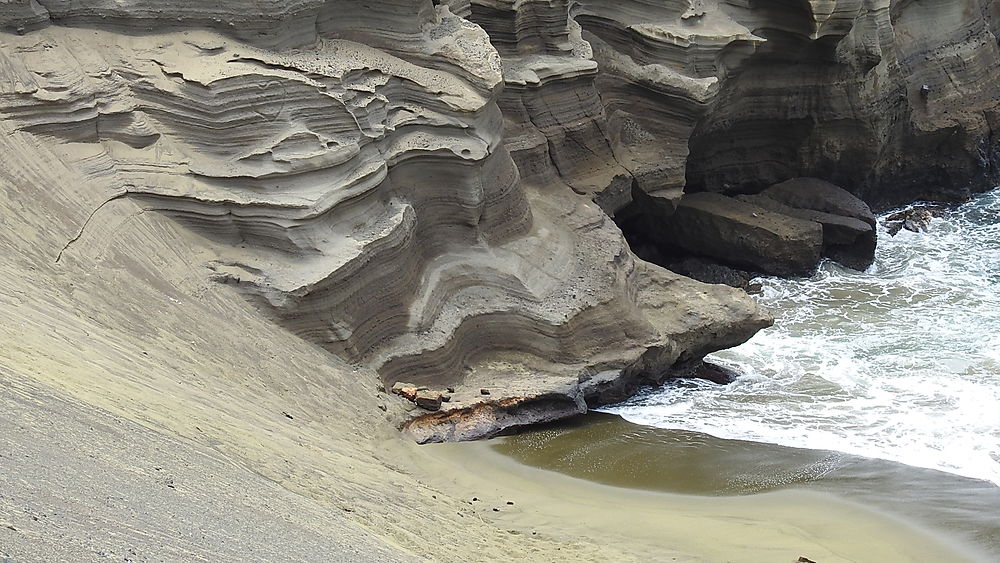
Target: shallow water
(609, 450)
(901, 362)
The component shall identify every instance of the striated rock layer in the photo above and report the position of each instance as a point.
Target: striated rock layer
(424, 188)
(894, 101)
(356, 184)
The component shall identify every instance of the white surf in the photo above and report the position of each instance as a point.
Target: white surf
(901, 362)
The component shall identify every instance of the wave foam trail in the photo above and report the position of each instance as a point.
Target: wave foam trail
(901, 362)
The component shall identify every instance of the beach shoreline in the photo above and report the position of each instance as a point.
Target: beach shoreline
(777, 525)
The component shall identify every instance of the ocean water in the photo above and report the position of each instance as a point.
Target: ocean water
(900, 362)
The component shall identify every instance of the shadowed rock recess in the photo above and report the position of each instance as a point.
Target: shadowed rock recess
(426, 188)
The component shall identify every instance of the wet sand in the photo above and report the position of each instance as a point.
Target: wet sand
(717, 500)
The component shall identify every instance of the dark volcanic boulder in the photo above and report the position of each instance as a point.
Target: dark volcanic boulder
(916, 219)
(846, 240)
(709, 371)
(740, 233)
(710, 271)
(849, 235)
(819, 195)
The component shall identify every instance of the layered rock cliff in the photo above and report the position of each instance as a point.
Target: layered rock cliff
(358, 188)
(894, 100)
(424, 188)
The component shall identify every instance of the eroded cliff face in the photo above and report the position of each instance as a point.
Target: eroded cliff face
(893, 100)
(349, 174)
(423, 188)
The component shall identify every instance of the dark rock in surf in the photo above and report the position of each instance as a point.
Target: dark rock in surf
(914, 219)
(849, 235)
(713, 372)
(708, 271)
(716, 373)
(709, 371)
(743, 234)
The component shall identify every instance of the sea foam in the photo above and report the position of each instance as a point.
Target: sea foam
(900, 362)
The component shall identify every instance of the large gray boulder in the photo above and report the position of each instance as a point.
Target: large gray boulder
(820, 195)
(741, 233)
(848, 224)
(784, 230)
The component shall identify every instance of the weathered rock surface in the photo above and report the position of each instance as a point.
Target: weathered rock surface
(849, 235)
(357, 185)
(846, 240)
(412, 184)
(744, 234)
(891, 100)
(606, 95)
(894, 100)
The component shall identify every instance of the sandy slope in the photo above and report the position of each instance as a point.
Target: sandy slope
(82, 484)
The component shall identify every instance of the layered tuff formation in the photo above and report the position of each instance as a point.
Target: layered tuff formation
(424, 188)
(893, 100)
(364, 198)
